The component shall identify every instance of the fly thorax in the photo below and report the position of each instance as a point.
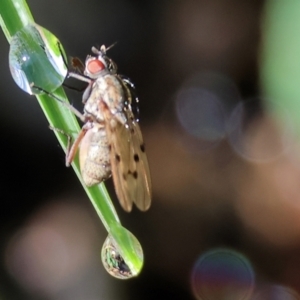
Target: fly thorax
(91, 108)
(112, 93)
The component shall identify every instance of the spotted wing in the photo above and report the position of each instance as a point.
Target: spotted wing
(129, 162)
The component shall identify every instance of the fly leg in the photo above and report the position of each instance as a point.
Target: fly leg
(72, 147)
(83, 78)
(77, 65)
(64, 103)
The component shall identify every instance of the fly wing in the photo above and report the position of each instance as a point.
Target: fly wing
(129, 162)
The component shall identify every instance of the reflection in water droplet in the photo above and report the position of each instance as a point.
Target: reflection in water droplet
(35, 59)
(222, 274)
(113, 261)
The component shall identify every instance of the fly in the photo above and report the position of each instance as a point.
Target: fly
(110, 141)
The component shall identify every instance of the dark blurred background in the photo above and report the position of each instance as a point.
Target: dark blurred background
(225, 219)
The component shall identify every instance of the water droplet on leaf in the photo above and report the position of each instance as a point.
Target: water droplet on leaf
(113, 261)
(35, 59)
(122, 263)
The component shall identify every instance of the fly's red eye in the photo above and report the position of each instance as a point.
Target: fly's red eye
(94, 66)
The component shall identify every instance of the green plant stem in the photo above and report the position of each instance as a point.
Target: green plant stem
(18, 25)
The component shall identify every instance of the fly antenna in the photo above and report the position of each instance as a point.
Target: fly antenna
(109, 47)
(103, 49)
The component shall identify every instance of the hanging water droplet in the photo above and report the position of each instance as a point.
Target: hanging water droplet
(113, 261)
(36, 60)
(122, 264)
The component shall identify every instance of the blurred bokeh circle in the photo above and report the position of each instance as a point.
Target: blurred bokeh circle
(222, 274)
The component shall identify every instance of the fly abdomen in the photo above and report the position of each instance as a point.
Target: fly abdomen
(94, 157)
